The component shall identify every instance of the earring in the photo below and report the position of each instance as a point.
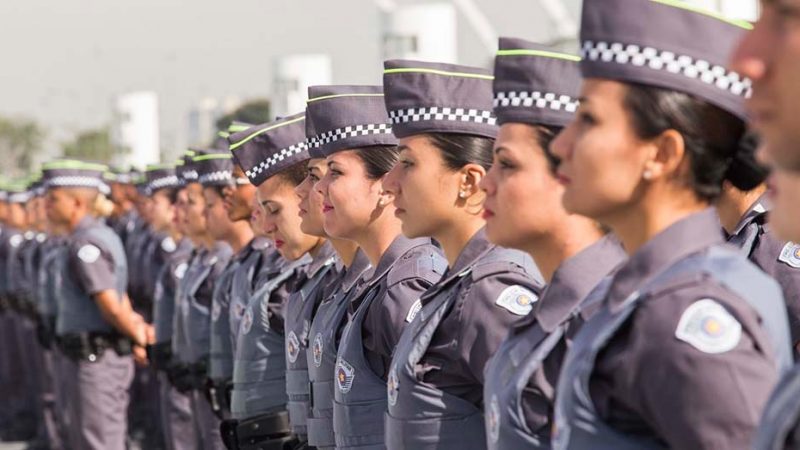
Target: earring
(381, 203)
(647, 174)
(462, 194)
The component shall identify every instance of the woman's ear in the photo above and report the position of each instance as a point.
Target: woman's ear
(667, 157)
(385, 196)
(471, 176)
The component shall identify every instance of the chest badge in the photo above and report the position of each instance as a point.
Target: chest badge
(709, 327)
(392, 387)
(517, 300)
(493, 419)
(345, 374)
(316, 350)
(216, 311)
(247, 321)
(292, 347)
(790, 255)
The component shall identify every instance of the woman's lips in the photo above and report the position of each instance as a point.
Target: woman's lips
(279, 243)
(563, 179)
(326, 208)
(487, 213)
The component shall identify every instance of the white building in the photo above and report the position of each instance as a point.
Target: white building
(202, 118)
(425, 32)
(292, 76)
(135, 128)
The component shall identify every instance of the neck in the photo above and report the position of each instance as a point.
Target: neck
(455, 237)
(314, 250)
(636, 225)
(379, 235)
(564, 241)
(240, 235)
(75, 220)
(733, 204)
(345, 249)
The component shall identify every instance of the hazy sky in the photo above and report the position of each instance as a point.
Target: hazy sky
(64, 60)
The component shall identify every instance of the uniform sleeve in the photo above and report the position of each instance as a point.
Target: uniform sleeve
(92, 266)
(485, 322)
(704, 395)
(767, 256)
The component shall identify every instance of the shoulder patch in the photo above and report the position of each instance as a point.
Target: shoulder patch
(709, 327)
(292, 347)
(168, 245)
(316, 350)
(180, 271)
(790, 255)
(517, 300)
(89, 253)
(412, 312)
(345, 374)
(15, 240)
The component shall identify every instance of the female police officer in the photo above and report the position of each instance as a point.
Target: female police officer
(690, 337)
(442, 115)
(358, 207)
(535, 96)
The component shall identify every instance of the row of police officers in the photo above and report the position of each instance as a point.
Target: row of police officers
(571, 252)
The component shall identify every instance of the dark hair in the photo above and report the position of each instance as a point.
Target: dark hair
(378, 160)
(294, 174)
(170, 193)
(711, 135)
(458, 150)
(745, 173)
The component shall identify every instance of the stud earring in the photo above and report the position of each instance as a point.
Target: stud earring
(647, 174)
(462, 194)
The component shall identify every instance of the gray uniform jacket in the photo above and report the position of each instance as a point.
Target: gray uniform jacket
(683, 353)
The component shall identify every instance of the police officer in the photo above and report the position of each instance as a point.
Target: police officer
(258, 400)
(743, 208)
(351, 127)
(95, 325)
(253, 257)
(688, 329)
(324, 274)
(442, 115)
(523, 198)
(191, 332)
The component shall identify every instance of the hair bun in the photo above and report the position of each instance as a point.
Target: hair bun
(745, 173)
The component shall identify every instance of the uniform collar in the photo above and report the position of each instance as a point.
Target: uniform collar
(574, 279)
(260, 243)
(476, 247)
(399, 246)
(358, 267)
(323, 258)
(683, 238)
(756, 211)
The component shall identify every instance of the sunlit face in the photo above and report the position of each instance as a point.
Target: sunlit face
(602, 159)
(282, 219)
(195, 214)
(17, 217)
(425, 190)
(239, 197)
(59, 205)
(311, 216)
(523, 197)
(217, 222)
(179, 211)
(770, 56)
(350, 197)
(162, 211)
(119, 193)
(257, 218)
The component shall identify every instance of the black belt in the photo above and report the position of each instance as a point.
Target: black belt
(188, 377)
(264, 432)
(160, 355)
(91, 346)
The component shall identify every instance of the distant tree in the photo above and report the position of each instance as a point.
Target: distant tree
(20, 143)
(254, 112)
(92, 145)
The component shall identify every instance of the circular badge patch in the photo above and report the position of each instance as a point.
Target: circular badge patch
(89, 253)
(180, 271)
(392, 387)
(292, 347)
(168, 245)
(247, 321)
(709, 327)
(316, 349)
(493, 419)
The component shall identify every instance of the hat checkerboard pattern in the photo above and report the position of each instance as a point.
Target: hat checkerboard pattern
(442, 113)
(536, 99)
(347, 132)
(712, 74)
(276, 158)
(165, 182)
(215, 177)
